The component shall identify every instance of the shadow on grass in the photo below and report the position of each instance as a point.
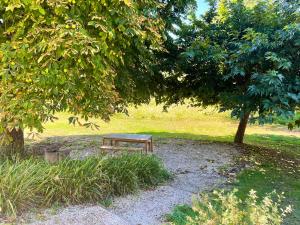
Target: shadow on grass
(289, 145)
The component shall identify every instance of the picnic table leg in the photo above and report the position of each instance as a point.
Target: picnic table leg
(151, 144)
(146, 147)
(103, 143)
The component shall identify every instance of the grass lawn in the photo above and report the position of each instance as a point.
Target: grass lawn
(183, 122)
(208, 125)
(267, 178)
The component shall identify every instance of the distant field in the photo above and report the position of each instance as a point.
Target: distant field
(182, 122)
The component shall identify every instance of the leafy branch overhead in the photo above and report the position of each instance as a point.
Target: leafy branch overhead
(294, 124)
(70, 55)
(242, 56)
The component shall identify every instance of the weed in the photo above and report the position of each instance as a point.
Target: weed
(227, 209)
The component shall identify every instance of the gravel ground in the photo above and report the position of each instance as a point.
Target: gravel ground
(195, 167)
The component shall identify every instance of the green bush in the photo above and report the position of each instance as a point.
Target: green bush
(284, 121)
(222, 208)
(33, 182)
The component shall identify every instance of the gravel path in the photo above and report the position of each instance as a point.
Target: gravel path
(195, 166)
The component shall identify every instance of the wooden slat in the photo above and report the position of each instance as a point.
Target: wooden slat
(132, 137)
(118, 148)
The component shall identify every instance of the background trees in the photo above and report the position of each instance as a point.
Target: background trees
(242, 56)
(92, 59)
(70, 56)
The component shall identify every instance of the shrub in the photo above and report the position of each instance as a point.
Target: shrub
(33, 182)
(130, 172)
(285, 121)
(227, 209)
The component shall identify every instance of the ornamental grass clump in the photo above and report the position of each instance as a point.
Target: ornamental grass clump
(21, 185)
(76, 181)
(29, 183)
(227, 209)
(131, 172)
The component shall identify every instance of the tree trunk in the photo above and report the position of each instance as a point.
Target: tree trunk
(239, 136)
(15, 145)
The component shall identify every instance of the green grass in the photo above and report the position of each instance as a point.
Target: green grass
(30, 183)
(182, 122)
(280, 172)
(267, 178)
(180, 213)
(263, 183)
(270, 171)
(284, 121)
(226, 208)
(204, 125)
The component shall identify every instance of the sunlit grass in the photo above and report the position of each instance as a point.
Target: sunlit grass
(182, 122)
(178, 119)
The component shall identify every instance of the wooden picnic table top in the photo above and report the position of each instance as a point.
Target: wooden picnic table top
(138, 137)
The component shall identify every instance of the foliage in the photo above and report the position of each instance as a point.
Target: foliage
(284, 121)
(226, 208)
(270, 170)
(173, 14)
(146, 172)
(242, 57)
(266, 178)
(180, 213)
(32, 182)
(72, 56)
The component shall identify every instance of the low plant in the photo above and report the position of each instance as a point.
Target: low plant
(130, 172)
(29, 183)
(225, 208)
(180, 213)
(21, 184)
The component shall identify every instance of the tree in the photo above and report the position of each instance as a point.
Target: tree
(242, 56)
(71, 55)
(146, 76)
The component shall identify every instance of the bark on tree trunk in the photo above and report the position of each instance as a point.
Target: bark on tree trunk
(16, 145)
(239, 136)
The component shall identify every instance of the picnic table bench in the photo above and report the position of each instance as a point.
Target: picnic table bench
(114, 140)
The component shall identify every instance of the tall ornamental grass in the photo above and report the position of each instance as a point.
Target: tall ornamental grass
(34, 183)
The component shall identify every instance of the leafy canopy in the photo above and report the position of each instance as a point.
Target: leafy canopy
(243, 56)
(72, 55)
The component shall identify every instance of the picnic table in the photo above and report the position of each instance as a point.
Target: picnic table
(114, 140)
